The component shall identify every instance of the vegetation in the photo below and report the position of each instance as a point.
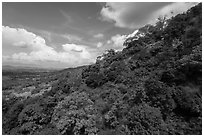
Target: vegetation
(153, 86)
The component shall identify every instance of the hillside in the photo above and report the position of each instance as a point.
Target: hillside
(153, 86)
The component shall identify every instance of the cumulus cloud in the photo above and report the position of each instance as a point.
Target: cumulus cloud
(135, 15)
(99, 35)
(116, 42)
(22, 38)
(79, 50)
(72, 54)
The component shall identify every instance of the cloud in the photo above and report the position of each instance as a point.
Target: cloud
(22, 38)
(46, 34)
(70, 54)
(99, 44)
(116, 42)
(135, 15)
(71, 37)
(99, 35)
(20, 44)
(77, 50)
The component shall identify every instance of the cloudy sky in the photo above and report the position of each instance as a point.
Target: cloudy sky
(62, 35)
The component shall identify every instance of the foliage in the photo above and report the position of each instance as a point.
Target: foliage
(11, 117)
(75, 115)
(160, 96)
(144, 119)
(188, 101)
(95, 80)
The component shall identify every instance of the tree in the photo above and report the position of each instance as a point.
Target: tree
(160, 96)
(75, 115)
(95, 80)
(32, 118)
(144, 120)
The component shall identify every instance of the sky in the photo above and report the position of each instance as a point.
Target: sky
(62, 35)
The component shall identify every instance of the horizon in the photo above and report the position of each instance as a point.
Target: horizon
(72, 34)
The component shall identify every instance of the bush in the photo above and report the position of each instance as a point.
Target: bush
(111, 75)
(189, 102)
(159, 95)
(48, 130)
(11, 120)
(33, 113)
(90, 69)
(102, 106)
(144, 119)
(95, 80)
(63, 85)
(75, 115)
(28, 128)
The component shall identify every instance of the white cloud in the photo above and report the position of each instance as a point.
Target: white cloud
(138, 14)
(22, 38)
(77, 50)
(72, 54)
(99, 44)
(133, 34)
(99, 35)
(116, 42)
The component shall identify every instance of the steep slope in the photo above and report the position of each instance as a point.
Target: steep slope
(161, 70)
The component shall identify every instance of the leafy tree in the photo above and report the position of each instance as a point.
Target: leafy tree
(188, 102)
(32, 113)
(144, 120)
(95, 80)
(160, 96)
(75, 115)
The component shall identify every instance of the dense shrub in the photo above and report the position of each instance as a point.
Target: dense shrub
(159, 95)
(75, 115)
(144, 120)
(90, 69)
(33, 113)
(11, 120)
(48, 130)
(95, 80)
(189, 102)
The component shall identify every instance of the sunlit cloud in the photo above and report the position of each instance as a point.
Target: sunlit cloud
(137, 14)
(71, 54)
